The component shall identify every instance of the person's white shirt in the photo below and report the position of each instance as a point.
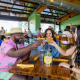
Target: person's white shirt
(29, 33)
(67, 33)
(2, 32)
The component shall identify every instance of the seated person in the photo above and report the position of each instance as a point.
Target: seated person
(27, 38)
(74, 52)
(67, 32)
(0, 41)
(60, 32)
(38, 32)
(13, 52)
(49, 33)
(2, 38)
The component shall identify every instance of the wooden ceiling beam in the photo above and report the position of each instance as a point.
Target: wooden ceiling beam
(77, 2)
(41, 8)
(57, 9)
(72, 14)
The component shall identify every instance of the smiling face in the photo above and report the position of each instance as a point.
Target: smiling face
(49, 34)
(17, 38)
(75, 35)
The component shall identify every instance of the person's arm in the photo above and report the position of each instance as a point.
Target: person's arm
(22, 51)
(62, 51)
(74, 69)
(23, 58)
(41, 46)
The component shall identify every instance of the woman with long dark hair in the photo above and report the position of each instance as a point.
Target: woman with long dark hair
(50, 34)
(74, 51)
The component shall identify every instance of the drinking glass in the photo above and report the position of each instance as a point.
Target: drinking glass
(41, 55)
(41, 52)
(47, 58)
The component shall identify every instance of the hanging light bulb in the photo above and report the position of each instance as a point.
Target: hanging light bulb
(27, 11)
(59, 16)
(7, 8)
(51, 0)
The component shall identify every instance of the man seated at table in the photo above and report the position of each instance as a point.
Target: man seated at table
(12, 52)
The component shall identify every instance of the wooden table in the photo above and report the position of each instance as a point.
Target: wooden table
(40, 70)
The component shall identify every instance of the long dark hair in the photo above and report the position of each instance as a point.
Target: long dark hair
(67, 28)
(51, 32)
(77, 43)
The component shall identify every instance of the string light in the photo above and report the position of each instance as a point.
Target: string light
(7, 8)
(51, 0)
(27, 11)
(59, 16)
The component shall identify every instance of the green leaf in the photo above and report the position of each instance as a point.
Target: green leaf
(47, 53)
(4, 47)
(0, 63)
